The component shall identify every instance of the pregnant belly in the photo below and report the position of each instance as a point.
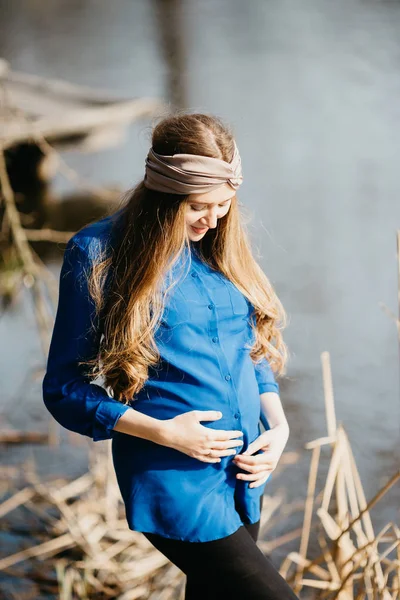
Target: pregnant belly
(166, 408)
(137, 459)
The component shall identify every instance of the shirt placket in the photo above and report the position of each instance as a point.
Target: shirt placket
(213, 333)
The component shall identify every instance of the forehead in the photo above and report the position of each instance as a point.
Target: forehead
(220, 194)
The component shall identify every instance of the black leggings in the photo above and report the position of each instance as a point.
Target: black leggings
(232, 567)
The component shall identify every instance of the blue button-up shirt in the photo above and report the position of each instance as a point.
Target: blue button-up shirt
(204, 339)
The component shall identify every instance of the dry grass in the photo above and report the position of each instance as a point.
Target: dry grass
(355, 563)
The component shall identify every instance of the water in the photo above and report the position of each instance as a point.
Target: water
(311, 91)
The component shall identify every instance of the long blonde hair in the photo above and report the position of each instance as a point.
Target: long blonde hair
(125, 282)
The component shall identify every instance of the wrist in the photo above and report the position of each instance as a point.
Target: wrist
(162, 433)
(135, 423)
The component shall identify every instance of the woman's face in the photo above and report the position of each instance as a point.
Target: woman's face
(203, 210)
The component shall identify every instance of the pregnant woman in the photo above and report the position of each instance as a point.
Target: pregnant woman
(165, 303)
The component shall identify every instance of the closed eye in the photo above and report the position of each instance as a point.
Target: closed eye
(202, 207)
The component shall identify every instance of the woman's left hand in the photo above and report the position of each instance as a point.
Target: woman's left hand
(272, 442)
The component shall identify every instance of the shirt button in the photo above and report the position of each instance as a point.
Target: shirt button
(215, 340)
(194, 274)
(227, 377)
(236, 415)
(211, 306)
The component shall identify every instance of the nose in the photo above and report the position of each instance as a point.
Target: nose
(210, 224)
(209, 221)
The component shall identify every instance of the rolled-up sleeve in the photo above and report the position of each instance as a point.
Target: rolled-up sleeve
(265, 377)
(70, 397)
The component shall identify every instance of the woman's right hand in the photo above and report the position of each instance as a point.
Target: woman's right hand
(186, 434)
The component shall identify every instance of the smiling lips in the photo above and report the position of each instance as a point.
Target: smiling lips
(198, 230)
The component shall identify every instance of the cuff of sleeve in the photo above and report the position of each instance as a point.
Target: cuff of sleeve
(107, 414)
(268, 387)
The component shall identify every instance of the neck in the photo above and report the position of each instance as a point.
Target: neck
(194, 248)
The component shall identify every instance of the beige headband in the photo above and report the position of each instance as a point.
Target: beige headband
(191, 173)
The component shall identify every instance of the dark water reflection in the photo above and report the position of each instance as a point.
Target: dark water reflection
(312, 91)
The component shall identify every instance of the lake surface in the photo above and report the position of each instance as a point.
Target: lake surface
(312, 92)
